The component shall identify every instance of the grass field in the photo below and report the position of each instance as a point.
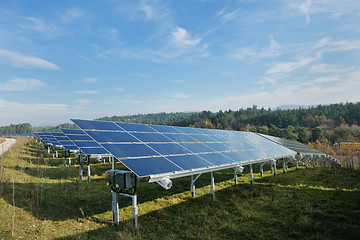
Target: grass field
(41, 199)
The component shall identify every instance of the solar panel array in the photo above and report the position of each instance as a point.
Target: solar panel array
(82, 141)
(152, 149)
(294, 145)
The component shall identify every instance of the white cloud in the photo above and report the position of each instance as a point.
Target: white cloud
(138, 74)
(144, 10)
(87, 92)
(183, 39)
(119, 89)
(226, 16)
(326, 80)
(288, 67)
(250, 53)
(328, 68)
(34, 113)
(179, 81)
(89, 80)
(22, 61)
(71, 14)
(180, 95)
(131, 101)
(82, 102)
(21, 84)
(39, 25)
(110, 34)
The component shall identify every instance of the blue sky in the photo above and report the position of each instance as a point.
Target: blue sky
(87, 59)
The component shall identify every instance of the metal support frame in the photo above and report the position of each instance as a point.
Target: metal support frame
(238, 169)
(273, 163)
(115, 207)
(212, 187)
(262, 168)
(192, 187)
(115, 202)
(251, 175)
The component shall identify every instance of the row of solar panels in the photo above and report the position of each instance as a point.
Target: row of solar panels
(152, 149)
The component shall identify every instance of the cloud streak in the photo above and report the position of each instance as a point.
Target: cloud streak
(21, 84)
(22, 61)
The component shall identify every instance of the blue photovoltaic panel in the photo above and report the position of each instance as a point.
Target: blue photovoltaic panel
(293, 145)
(154, 149)
(129, 150)
(84, 142)
(216, 158)
(149, 166)
(111, 136)
(187, 162)
(65, 141)
(130, 127)
(165, 129)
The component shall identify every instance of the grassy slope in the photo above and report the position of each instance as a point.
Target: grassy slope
(51, 203)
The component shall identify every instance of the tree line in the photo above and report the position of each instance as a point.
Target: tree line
(333, 123)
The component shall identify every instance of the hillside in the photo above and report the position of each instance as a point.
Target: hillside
(42, 199)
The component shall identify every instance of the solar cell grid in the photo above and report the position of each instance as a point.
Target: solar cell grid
(156, 149)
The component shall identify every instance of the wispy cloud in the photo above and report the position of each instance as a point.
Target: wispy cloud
(227, 15)
(180, 95)
(22, 61)
(71, 15)
(41, 26)
(119, 89)
(21, 84)
(89, 80)
(143, 10)
(82, 102)
(250, 53)
(333, 9)
(87, 92)
(138, 74)
(110, 34)
(288, 67)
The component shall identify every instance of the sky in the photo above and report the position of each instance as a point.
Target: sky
(66, 59)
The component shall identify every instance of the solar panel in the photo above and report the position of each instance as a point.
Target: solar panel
(149, 150)
(294, 145)
(84, 142)
(64, 141)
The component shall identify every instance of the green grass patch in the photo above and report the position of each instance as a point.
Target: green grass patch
(42, 199)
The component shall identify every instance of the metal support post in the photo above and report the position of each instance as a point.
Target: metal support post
(192, 186)
(306, 162)
(235, 177)
(69, 161)
(261, 169)
(284, 165)
(193, 180)
(274, 164)
(88, 172)
(56, 154)
(212, 187)
(80, 172)
(113, 162)
(134, 210)
(115, 207)
(297, 164)
(64, 161)
(251, 175)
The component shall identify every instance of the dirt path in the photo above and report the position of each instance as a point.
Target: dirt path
(9, 142)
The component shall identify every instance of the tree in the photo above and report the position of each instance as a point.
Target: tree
(317, 134)
(275, 131)
(289, 133)
(303, 135)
